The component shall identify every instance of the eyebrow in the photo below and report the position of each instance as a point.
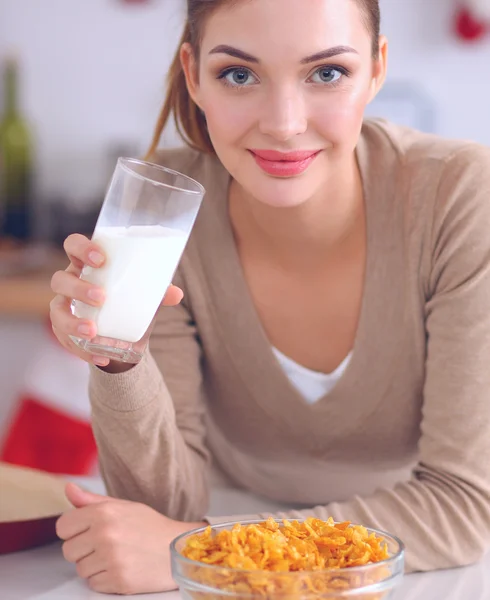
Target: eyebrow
(323, 55)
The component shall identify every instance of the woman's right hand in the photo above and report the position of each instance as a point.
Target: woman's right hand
(68, 286)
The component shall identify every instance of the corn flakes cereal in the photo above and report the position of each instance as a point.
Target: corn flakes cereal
(310, 545)
(257, 559)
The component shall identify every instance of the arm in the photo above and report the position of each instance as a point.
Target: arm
(443, 513)
(148, 422)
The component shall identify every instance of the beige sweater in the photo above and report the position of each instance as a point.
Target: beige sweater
(402, 442)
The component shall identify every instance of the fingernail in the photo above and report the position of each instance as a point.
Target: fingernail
(84, 329)
(96, 258)
(101, 362)
(95, 294)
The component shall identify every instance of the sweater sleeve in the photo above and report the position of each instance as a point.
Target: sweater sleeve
(148, 422)
(443, 513)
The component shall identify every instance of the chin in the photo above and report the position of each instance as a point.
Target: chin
(281, 192)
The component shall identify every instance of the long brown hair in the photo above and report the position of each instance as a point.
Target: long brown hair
(189, 119)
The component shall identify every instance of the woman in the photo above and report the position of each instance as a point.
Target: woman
(331, 346)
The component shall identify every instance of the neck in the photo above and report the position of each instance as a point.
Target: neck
(318, 228)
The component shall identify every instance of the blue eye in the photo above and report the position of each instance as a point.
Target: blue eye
(238, 77)
(327, 75)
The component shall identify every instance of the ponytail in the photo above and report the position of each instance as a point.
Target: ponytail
(189, 119)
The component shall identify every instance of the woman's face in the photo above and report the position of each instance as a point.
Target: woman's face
(284, 85)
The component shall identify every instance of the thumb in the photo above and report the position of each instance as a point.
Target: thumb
(79, 497)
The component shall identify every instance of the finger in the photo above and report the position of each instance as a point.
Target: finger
(78, 547)
(64, 321)
(80, 497)
(69, 344)
(90, 566)
(64, 324)
(73, 522)
(101, 583)
(173, 296)
(82, 251)
(68, 285)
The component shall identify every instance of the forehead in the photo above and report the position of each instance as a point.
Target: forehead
(287, 28)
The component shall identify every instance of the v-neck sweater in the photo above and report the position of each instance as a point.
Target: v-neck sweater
(402, 443)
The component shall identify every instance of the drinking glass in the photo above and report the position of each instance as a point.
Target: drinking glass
(143, 227)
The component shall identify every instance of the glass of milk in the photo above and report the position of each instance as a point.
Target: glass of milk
(143, 227)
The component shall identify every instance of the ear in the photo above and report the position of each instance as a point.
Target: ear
(380, 66)
(191, 71)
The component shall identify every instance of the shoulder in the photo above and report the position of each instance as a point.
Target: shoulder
(204, 167)
(462, 203)
(466, 173)
(417, 150)
(184, 159)
(433, 193)
(430, 172)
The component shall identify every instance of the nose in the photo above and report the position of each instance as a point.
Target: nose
(284, 114)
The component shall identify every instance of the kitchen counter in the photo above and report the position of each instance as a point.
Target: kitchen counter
(25, 289)
(43, 574)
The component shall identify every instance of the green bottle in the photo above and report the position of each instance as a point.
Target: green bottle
(15, 162)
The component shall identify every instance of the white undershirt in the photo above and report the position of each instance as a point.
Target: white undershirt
(310, 384)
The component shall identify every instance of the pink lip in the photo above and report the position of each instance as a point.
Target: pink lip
(284, 164)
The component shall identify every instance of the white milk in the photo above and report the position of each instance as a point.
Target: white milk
(140, 263)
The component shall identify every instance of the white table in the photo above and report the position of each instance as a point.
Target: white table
(43, 574)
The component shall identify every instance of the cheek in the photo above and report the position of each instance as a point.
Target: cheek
(229, 119)
(341, 113)
(339, 118)
(221, 121)
(229, 116)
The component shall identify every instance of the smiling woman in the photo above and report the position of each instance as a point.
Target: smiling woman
(331, 348)
(189, 119)
(225, 86)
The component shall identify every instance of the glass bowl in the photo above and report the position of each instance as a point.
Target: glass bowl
(200, 581)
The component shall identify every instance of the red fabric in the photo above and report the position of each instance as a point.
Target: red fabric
(43, 438)
(468, 27)
(21, 535)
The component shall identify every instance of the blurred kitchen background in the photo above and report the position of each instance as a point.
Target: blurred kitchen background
(90, 79)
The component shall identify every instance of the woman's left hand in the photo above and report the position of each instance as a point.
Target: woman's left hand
(119, 547)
